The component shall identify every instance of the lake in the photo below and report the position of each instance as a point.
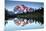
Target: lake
(22, 24)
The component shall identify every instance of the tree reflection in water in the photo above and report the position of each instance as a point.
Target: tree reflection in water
(24, 21)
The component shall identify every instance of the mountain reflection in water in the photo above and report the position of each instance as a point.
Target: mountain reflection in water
(22, 22)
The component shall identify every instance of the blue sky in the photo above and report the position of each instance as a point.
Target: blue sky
(28, 0)
(11, 4)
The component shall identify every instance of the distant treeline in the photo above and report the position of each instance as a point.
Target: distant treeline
(9, 15)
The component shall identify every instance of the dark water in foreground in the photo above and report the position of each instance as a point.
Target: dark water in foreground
(23, 24)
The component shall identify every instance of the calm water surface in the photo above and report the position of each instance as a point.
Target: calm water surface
(22, 24)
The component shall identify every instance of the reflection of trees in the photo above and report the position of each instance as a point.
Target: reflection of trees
(25, 21)
(39, 20)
